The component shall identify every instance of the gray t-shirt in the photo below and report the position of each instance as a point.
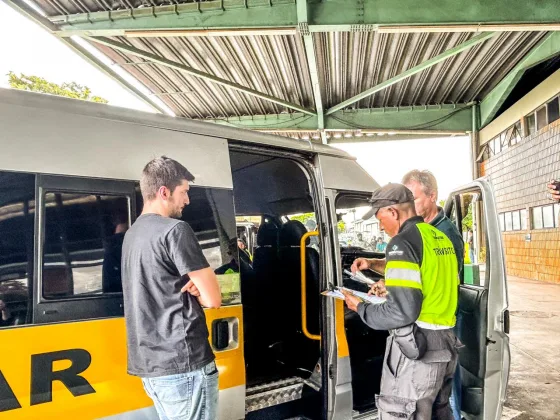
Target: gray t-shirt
(166, 329)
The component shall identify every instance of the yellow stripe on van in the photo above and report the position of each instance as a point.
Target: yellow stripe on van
(342, 344)
(105, 341)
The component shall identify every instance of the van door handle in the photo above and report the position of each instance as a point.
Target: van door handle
(50, 312)
(506, 321)
(220, 334)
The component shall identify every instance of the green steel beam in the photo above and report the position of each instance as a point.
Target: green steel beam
(197, 73)
(212, 14)
(433, 118)
(414, 70)
(302, 12)
(393, 137)
(27, 11)
(548, 47)
(429, 12)
(332, 15)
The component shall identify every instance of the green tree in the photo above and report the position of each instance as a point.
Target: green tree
(38, 84)
(441, 203)
(341, 226)
(467, 220)
(303, 217)
(306, 216)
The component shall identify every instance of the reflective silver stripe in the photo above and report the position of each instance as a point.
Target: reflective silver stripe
(428, 326)
(403, 274)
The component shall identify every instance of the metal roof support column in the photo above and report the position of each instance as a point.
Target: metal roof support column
(197, 73)
(302, 16)
(414, 70)
(474, 139)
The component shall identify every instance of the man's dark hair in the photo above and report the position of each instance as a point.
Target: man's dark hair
(162, 172)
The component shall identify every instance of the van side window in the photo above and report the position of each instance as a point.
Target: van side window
(83, 244)
(211, 216)
(17, 215)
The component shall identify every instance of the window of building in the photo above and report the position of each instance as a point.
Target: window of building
(537, 218)
(502, 219)
(17, 215)
(530, 124)
(516, 220)
(515, 135)
(548, 216)
(502, 141)
(545, 217)
(553, 109)
(541, 117)
(509, 221)
(82, 246)
(513, 220)
(497, 145)
(523, 216)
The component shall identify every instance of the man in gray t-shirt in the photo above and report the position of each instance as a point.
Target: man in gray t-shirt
(166, 281)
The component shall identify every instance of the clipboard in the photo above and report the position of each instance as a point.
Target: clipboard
(335, 292)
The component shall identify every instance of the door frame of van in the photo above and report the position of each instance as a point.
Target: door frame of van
(308, 162)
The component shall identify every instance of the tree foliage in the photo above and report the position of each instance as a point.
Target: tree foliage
(467, 220)
(306, 216)
(40, 85)
(303, 217)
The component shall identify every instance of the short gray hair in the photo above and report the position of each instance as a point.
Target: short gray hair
(162, 172)
(424, 178)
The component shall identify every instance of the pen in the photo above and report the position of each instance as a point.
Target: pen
(359, 276)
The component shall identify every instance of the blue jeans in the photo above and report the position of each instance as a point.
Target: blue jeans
(456, 390)
(455, 398)
(185, 396)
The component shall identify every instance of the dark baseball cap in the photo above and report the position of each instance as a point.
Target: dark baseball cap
(386, 196)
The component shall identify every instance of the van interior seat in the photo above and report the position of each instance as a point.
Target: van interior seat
(265, 279)
(288, 320)
(290, 261)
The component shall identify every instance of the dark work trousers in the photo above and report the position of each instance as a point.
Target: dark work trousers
(419, 389)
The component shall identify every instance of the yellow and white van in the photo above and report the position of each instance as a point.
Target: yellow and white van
(69, 175)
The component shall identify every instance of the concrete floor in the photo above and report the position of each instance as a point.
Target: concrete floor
(534, 381)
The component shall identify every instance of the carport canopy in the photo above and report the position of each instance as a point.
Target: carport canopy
(330, 71)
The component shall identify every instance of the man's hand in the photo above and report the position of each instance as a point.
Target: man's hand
(360, 264)
(190, 288)
(378, 289)
(553, 191)
(351, 300)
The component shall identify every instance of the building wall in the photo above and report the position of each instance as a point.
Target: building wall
(547, 89)
(519, 175)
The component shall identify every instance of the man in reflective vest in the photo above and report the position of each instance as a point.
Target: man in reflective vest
(422, 290)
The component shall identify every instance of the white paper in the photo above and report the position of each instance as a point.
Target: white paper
(337, 294)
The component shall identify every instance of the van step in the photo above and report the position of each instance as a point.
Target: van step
(369, 415)
(273, 393)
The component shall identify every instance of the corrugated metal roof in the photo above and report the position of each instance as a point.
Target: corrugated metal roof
(353, 62)
(348, 64)
(270, 64)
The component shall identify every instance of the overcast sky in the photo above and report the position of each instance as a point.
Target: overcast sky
(26, 48)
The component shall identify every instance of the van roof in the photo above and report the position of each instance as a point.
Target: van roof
(114, 113)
